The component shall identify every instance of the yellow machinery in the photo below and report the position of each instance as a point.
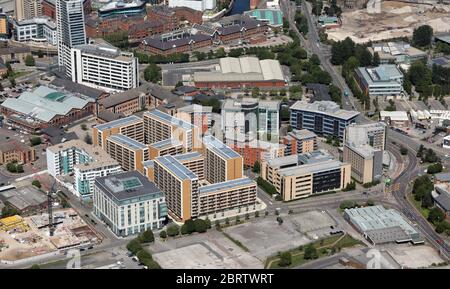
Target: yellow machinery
(13, 222)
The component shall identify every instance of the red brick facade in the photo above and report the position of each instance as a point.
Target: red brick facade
(242, 84)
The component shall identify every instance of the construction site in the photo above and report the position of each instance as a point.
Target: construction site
(24, 237)
(383, 20)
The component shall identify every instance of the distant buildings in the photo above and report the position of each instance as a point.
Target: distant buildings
(104, 66)
(129, 203)
(200, 5)
(49, 8)
(85, 161)
(325, 118)
(380, 226)
(397, 52)
(273, 17)
(27, 9)
(363, 149)
(441, 193)
(384, 80)
(300, 176)
(128, 8)
(243, 72)
(395, 118)
(70, 29)
(36, 29)
(45, 107)
(329, 22)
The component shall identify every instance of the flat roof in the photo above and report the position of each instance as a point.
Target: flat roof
(127, 141)
(128, 186)
(394, 115)
(119, 122)
(311, 168)
(301, 134)
(24, 197)
(219, 147)
(177, 168)
(273, 16)
(328, 108)
(168, 119)
(167, 143)
(382, 75)
(228, 185)
(188, 156)
(250, 103)
(377, 217)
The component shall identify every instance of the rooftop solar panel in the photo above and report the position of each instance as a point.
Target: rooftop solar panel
(219, 147)
(118, 122)
(127, 141)
(226, 185)
(176, 167)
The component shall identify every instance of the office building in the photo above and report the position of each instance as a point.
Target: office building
(325, 118)
(384, 80)
(36, 29)
(180, 186)
(363, 149)
(221, 162)
(299, 142)
(131, 126)
(159, 126)
(300, 176)
(70, 30)
(129, 203)
(250, 119)
(216, 199)
(104, 67)
(11, 151)
(85, 161)
(199, 5)
(128, 152)
(379, 225)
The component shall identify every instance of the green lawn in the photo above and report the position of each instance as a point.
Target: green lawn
(339, 241)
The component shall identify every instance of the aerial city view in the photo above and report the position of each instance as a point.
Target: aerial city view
(224, 134)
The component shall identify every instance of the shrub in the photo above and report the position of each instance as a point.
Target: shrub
(285, 259)
(163, 234)
(134, 246)
(147, 236)
(36, 183)
(173, 231)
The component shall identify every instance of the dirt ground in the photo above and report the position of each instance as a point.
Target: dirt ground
(396, 19)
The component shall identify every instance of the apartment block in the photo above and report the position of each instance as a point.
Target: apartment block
(221, 162)
(84, 161)
(220, 197)
(15, 151)
(128, 152)
(165, 147)
(180, 186)
(299, 142)
(363, 149)
(129, 203)
(131, 126)
(159, 126)
(194, 161)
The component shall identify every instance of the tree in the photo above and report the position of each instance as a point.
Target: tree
(163, 234)
(9, 211)
(208, 223)
(36, 183)
(88, 138)
(285, 259)
(173, 231)
(147, 236)
(35, 266)
(40, 53)
(200, 226)
(256, 167)
(347, 205)
(83, 126)
(436, 215)
(29, 60)
(403, 151)
(427, 201)
(422, 36)
(35, 141)
(310, 252)
(279, 220)
(434, 168)
(134, 246)
(189, 226)
(350, 186)
(152, 73)
(220, 53)
(255, 91)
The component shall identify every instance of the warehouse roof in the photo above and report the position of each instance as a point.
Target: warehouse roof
(45, 103)
(242, 69)
(394, 115)
(328, 108)
(24, 197)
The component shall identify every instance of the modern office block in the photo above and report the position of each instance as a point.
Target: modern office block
(36, 29)
(384, 80)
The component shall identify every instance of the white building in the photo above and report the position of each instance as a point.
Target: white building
(36, 29)
(129, 203)
(200, 5)
(70, 29)
(384, 80)
(104, 67)
(86, 162)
